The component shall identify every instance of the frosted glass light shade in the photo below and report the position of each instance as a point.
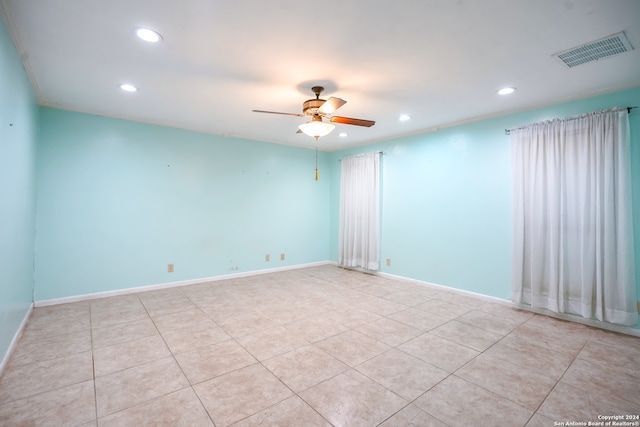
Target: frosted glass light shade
(316, 128)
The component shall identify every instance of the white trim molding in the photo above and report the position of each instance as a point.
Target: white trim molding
(487, 298)
(628, 330)
(117, 292)
(16, 338)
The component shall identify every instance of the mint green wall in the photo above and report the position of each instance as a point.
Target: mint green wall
(18, 128)
(119, 200)
(446, 201)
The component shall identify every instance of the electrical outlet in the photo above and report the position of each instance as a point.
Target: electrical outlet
(169, 268)
(281, 257)
(267, 257)
(388, 262)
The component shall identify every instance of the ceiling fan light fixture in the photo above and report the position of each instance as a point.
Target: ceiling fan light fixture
(318, 109)
(316, 128)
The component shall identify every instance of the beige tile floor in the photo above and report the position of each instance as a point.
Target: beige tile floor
(317, 346)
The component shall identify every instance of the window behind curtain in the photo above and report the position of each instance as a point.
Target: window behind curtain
(573, 237)
(359, 240)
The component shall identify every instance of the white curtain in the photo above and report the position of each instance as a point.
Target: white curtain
(359, 239)
(572, 236)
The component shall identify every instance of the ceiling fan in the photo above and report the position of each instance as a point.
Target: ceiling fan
(319, 109)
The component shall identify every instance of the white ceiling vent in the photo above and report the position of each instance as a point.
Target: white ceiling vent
(595, 50)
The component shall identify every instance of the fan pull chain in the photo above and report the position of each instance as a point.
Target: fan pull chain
(316, 158)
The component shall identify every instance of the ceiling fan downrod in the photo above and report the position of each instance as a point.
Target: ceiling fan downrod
(317, 90)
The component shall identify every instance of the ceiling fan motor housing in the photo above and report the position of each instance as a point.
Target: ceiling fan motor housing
(310, 106)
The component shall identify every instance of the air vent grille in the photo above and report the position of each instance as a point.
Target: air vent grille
(596, 50)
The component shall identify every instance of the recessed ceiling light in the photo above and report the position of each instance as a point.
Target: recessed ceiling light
(342, 135)
(148, 35)
(506, 90)
(404, 117)
(128, 88)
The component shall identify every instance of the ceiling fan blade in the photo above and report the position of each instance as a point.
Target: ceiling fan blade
(331, 105)
(276, 112)
(350, 121)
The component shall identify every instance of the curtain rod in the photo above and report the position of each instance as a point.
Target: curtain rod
(508, 131)
(382, 153)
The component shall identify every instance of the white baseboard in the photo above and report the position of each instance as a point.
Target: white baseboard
(577, 319)
(562, 316)
(96, 295)
(476, 295)
(55, 301)
(16, 338)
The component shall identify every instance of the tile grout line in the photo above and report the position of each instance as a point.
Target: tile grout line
(93, 368)
(480, 353)
(191, 386)
(353, 368)
(562, 376)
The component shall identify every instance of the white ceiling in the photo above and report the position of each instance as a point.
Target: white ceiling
(441, 61)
